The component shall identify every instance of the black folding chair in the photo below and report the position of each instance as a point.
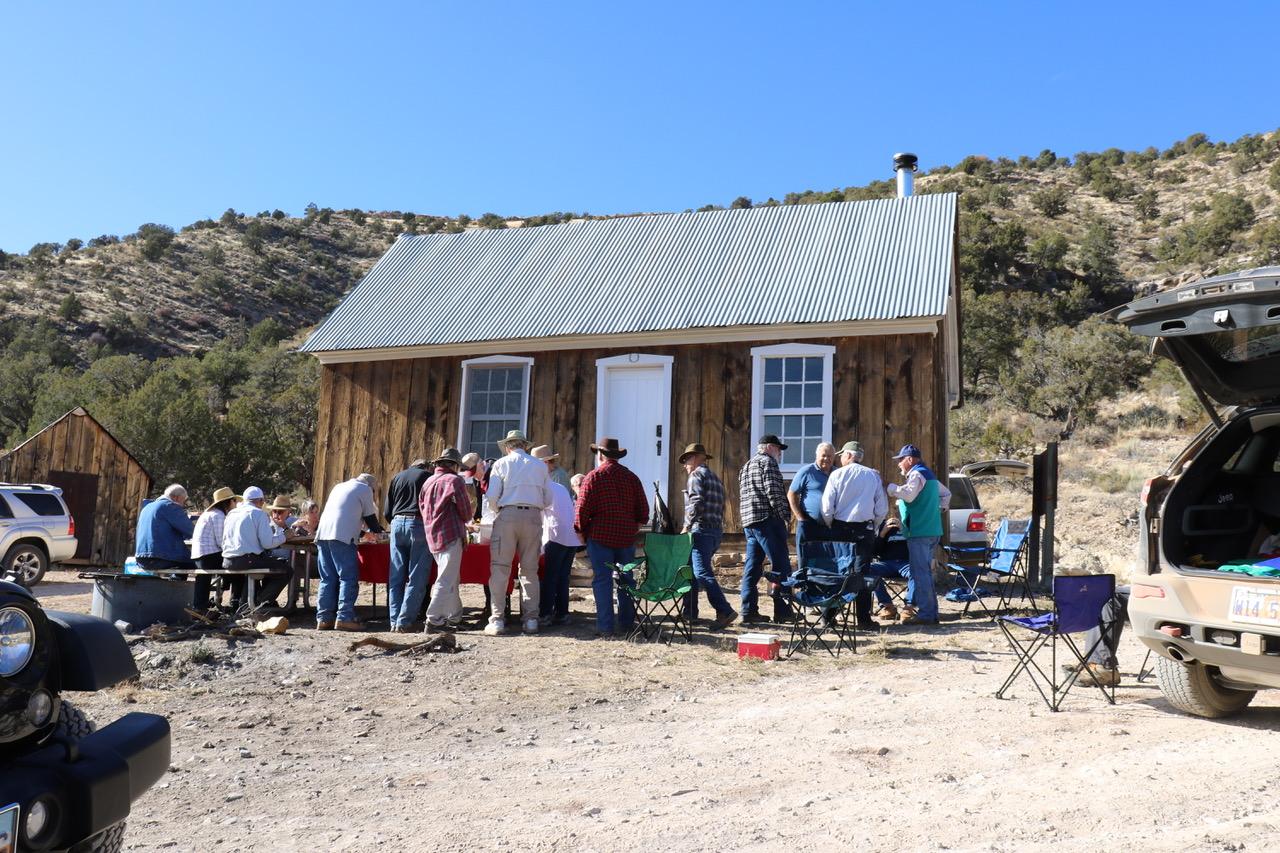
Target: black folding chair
(1077, 607)
(822, 593)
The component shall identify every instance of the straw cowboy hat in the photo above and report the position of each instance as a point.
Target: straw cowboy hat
(691, 449)
(221, 495)
(282, 502)
(513, 437)
(544, 453)
(609, 447)
(451, 455)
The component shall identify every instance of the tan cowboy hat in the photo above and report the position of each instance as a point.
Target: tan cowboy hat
(609, 447)
(221, 495)
(544, 453)
(283, 502)
(512, 437)
(451, 454)
(691, 449)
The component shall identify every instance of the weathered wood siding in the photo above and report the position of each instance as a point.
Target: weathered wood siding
(78, 444)
(886, 391)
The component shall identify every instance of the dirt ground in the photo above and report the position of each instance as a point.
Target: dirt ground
(560, 742)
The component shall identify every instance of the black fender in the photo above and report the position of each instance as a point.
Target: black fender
(92, 653)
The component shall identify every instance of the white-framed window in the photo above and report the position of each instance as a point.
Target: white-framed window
(495, 400)
(791, 398)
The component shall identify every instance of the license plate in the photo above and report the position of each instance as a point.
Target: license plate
(9, 829)
(1255, 605)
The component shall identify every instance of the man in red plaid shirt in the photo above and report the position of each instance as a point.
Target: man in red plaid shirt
(611, 507)
(446, 509)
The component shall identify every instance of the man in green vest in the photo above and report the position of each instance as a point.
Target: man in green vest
(921, 502)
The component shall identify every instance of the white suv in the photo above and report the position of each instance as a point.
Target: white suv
(36, 530)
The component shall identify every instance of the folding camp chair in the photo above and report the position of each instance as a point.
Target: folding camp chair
(822, 593)
(658, 596)
(1004, 562)
(1077, 607)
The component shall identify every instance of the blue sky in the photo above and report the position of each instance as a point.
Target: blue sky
(119, 114)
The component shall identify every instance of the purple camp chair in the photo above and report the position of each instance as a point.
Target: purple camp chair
(1077, 607)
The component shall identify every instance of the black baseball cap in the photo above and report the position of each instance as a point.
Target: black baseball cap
(773, 439)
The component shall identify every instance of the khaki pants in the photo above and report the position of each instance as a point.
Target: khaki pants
(446, 605)
(515, 531)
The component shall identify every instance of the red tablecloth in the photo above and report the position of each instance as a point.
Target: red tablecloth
(375, 564)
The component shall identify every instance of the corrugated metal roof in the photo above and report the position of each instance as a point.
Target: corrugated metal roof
(819, 263)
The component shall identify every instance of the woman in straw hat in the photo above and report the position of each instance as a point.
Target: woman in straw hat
(206, 543)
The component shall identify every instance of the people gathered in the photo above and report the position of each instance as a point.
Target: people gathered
(531, 515)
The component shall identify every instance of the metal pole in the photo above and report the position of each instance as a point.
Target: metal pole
(1047, 563)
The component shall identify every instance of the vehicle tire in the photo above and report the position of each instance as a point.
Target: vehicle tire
(72, 723)
(1193, 689)
(26, 564)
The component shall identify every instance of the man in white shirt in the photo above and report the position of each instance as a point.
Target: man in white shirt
(349, 509)
(559, 543)
(247, 538)
(853, 505)
(518, 492)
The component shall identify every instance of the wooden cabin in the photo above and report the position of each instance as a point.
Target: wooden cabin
(101, 481)
(823, 322)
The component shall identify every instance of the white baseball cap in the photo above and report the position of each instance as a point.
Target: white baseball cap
(253, 493)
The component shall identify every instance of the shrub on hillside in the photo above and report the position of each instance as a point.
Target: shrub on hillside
(70, 308)
(1051, 201)
(154, 240)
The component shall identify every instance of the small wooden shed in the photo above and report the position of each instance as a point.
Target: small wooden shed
(822, 322)
(101, 481)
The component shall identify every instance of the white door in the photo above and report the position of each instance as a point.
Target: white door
(633, 404)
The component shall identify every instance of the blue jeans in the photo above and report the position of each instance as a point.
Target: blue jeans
(765, 538)
(407, 579)
(339, 580)
(603, 559)
(705, 543)
(555, 580)
(920, 591)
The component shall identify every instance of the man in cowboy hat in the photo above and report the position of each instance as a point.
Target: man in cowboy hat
(921, 502)
(247, 538)
(552, 459)
(445, 508)
(611, 507)
(704, 519)
(349, 507)
(518, 493)
(407, 577)
(764, 511)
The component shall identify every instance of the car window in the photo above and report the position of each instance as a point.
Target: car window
(963, 495)
(5, 512)
(1240, 345)
(41, 503)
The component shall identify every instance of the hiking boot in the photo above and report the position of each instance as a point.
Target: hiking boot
(752, 617)
(1094, 674)
(722, 622)
(495, 627)
(441, 628)
(888, 613)
(324, 626)
(907, 613)
(342, 625)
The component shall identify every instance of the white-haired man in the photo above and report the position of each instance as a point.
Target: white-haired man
(163, 531)
(248, 537)
(853, 505)
(349, 508)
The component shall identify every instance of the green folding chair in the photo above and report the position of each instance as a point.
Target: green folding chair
(659, 595)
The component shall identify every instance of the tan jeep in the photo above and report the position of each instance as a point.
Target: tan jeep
(1202, 597)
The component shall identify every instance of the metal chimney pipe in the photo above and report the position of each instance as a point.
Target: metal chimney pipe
(905, 165)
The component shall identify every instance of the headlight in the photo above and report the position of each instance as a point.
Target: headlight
(17, 641)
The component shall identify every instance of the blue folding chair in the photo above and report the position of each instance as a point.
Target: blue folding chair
(822, 592)
(1003, 562)
(1077, 607)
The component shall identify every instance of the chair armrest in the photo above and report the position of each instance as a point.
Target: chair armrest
(629, 568)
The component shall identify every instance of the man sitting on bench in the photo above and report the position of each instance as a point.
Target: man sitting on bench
(248, 535)
(163, 528)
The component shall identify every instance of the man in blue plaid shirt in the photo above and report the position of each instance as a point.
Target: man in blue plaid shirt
(704, 519)
(765, 513)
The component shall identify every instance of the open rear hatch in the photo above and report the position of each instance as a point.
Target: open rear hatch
(1223, 332)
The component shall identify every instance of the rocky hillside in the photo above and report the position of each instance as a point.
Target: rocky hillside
(1195, 207)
